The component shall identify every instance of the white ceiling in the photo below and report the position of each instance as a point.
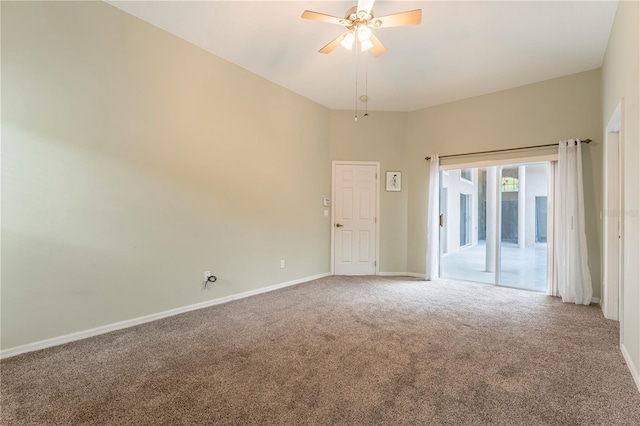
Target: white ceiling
(461, 49)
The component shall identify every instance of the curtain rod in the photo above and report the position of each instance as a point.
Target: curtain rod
(502, 150)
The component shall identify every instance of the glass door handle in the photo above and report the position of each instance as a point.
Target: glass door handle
(442, 220)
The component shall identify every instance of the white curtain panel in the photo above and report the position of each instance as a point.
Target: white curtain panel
(574, 279)
(552, 262)
(433, 220)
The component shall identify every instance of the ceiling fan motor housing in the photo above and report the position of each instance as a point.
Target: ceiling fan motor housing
(354, 19)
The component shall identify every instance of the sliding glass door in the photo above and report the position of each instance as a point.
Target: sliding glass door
(523, 254)
(494, 225)
(463, 232)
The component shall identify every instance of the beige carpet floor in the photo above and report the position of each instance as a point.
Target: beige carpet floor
(340, 350)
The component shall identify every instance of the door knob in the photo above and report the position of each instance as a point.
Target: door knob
(339, 225)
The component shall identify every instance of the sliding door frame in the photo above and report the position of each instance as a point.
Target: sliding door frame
(499, 163)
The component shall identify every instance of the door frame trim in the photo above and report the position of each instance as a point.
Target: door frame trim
(335, 163)
(612, 293)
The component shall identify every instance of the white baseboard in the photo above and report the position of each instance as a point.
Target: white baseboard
(401, 274)
(416, 275)
(632, 367)
(596, 300)
(55, 341)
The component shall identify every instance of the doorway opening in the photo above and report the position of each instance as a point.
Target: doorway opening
(497, 233)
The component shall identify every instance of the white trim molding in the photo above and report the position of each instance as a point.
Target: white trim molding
(452, 165)
(67, 338)
(632, 368)
(612, 274)
(401, 274)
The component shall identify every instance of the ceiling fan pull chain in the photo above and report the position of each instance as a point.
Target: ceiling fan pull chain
(366, 85)
(356, 97)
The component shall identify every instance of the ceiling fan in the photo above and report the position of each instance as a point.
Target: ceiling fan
(359, 20)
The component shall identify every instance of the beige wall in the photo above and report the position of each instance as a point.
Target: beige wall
(541, 113)
(380, 137)
(133, 161)
(620, 76)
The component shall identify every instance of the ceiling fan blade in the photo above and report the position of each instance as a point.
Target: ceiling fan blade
(411, 17)
(333, 43)
(365, 5)
(315, 16)
(378, 48)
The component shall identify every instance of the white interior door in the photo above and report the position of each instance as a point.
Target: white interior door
(354, 219)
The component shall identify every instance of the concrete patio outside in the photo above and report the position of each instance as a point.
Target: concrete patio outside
(524, 268)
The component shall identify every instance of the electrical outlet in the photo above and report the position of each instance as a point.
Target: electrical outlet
(282, 263)
(207, 274)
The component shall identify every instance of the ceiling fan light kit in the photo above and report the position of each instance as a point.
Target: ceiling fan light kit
(364, 33)
(365, 45)
(347, 41)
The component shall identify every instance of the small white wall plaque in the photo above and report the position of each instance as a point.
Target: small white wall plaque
(394, 181)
